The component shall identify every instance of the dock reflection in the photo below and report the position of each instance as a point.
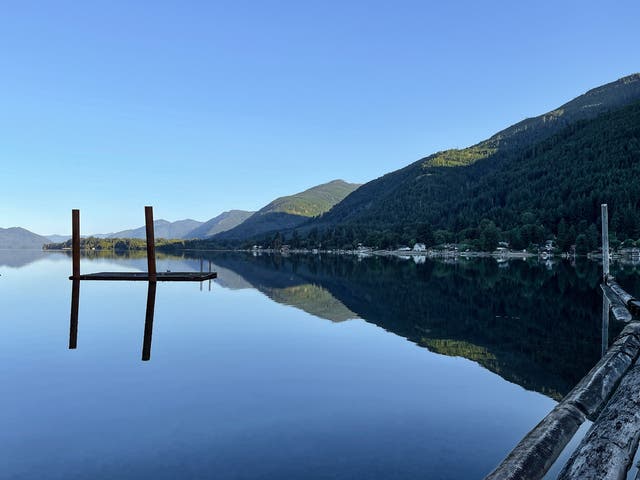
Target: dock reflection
(75, 304)
(148, 320)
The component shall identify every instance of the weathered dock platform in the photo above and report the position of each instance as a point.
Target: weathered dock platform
(150, 276)
(145, 277)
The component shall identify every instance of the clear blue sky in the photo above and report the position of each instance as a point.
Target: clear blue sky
(201, 107)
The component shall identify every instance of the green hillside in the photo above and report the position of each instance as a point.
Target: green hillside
(311, 202)
(288, 212)
(543, 176)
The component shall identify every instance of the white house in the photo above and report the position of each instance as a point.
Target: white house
(419, 247)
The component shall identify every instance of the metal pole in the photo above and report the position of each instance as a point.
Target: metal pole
(151, 244)
(605, 243)
(75, 242)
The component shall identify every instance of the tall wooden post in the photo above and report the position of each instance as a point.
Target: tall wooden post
(151, 244)
(148, 321)
(605, 243)
(75, 242)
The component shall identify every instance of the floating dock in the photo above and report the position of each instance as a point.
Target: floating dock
(150, 276)
(145, 277)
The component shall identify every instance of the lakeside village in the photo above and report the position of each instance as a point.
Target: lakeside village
(419, 252)
(626, 252)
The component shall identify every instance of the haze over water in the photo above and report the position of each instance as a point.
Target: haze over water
(288, 367)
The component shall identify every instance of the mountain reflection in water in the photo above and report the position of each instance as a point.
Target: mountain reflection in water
(537, 325)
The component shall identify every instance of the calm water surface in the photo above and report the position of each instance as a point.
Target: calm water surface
(298, 367)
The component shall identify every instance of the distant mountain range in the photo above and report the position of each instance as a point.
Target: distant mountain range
(17, 237)
(282, 213)
(186, 229)
(58, 238)
(163, 229)
(223, 222)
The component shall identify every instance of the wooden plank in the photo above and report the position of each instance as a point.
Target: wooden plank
(144, 276)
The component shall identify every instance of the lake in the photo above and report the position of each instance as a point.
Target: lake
(311, 367)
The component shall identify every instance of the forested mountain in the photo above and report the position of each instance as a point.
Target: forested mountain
(223, 222)
(543, 176)
(163, 229)
(16, 237)
(288, 212)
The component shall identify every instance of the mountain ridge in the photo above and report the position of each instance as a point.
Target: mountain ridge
(21, 238)
(290, 211)
(407, 195)
(220, 223)
(163, 229)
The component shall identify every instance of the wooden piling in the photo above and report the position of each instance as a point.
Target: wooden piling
(605, 242)
(75, 242)
(148, 321)
(151, 243)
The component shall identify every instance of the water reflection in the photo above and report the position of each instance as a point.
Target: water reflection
(535, 324)
(17, 258)
(75, 305)
(606, 307)
(540, 325)
(148, 320)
